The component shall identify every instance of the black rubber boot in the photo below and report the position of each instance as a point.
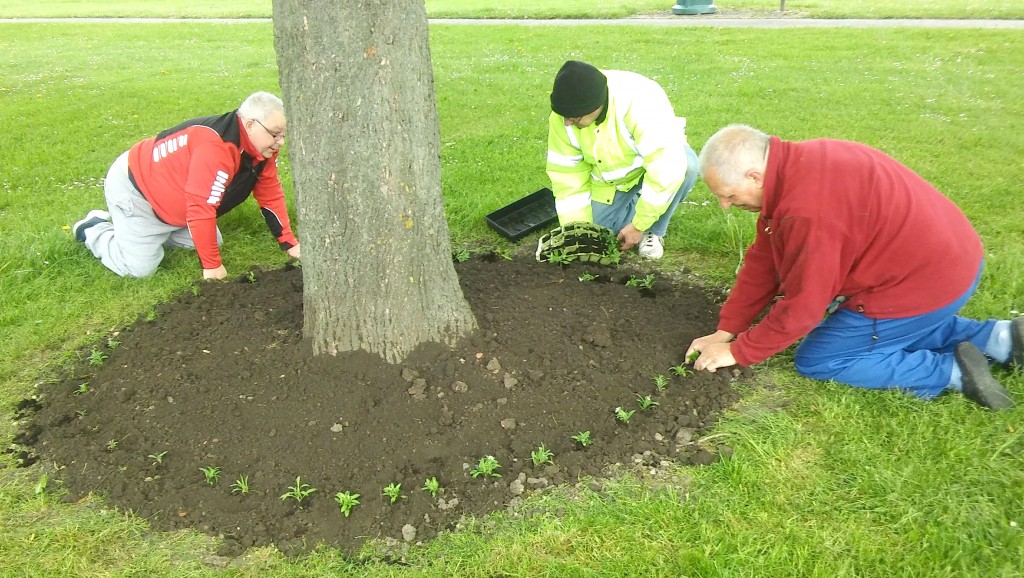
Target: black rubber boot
(979, 385)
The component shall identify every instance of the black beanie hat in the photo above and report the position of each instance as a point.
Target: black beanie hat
(579, 89)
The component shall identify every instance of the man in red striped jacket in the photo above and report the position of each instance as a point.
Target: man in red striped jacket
(168, 190)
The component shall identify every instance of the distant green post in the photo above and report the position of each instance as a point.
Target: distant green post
(694, 7)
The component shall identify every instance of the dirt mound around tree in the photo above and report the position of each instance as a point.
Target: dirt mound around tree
(222, 378)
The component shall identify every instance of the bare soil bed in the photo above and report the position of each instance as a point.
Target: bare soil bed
(223, 378)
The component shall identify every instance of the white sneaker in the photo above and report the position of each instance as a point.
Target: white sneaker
(94, 217)
(651, 246)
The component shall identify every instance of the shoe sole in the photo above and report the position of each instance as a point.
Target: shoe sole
(1017, 342)
(93, 214)
(978, 384)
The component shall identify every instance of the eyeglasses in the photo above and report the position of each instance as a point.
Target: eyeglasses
(277, 136)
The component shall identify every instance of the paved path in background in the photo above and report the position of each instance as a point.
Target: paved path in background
(707, 20)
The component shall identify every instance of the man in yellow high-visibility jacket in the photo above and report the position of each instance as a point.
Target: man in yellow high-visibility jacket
(617, 154)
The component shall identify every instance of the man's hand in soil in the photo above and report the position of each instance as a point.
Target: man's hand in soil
(218, 273)
(628, 237)
(714, 351)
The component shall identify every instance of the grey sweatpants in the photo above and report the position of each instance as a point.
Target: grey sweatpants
(132, 244)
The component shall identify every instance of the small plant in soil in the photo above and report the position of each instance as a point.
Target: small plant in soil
(431, 486)
(487, 466)
(461, 255)
(587, 277)
(211, 474)
(299, 492)
(647, 282)
(84, 388)
(393, 491)
(681, 370)
(112, 343)
(150, 315)
(241, 485)
(542, 455)
(195, 290)
(112, 445)
(583, 438)
(346, 501)
(157, 458)
(97, 357)
(632, 281)
(623, 415)
(692, 357)
(660, 382)
(645, 402)
(250, 277)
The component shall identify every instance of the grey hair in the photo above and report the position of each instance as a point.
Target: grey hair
(732, 151)
(260, 105)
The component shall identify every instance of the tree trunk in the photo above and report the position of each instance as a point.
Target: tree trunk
(364, 146)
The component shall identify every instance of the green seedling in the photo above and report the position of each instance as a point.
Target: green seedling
(346, 501)
(299, 491)
(583, 438)
(587, 277)
(250, 276)
(40, 486)
(97, 357)
(84, 388)
(112, 445)
(633, 281)
(393, 491)
(158, 458)
(560, 258)
(432, 486)
(645, 402)
(211, 474)
(660, 382)
(681, 370)
(623, 415)
(241, 485)
(542, 455)
(112, 343)
(150, 315)
(692, 357)
(195, 290)
(487, 466)
(647, 282)
(462, 255)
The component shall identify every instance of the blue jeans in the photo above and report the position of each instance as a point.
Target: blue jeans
(620, 213)
(913, 354)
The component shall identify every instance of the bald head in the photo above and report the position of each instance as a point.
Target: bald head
(733, 151)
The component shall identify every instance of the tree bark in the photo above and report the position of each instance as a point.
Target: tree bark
(364, 147)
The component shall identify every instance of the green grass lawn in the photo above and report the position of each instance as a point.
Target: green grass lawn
(825, 480)
(532, 8)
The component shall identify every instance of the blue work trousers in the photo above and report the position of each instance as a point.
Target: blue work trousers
(912, 354)
(620, 213)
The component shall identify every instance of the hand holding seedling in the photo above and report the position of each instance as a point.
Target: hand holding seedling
(714, 351)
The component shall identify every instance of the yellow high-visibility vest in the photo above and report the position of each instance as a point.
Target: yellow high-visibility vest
(639, 137)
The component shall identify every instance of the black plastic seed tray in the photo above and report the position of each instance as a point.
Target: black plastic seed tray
(520, 218)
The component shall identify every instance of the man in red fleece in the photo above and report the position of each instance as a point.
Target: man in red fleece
(860, 257)
(168, 190)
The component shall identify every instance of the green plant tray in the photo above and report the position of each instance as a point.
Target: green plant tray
(520, 218)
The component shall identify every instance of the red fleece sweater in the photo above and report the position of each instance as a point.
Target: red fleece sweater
(841, 218)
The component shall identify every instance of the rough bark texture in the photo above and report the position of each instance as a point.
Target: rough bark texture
(364, 148)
